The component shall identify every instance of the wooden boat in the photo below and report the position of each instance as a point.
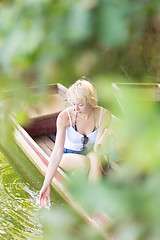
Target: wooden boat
(37, 141)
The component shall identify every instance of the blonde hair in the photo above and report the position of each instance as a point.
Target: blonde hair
(82, 91)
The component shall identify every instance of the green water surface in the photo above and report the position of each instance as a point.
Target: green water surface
(20, 183)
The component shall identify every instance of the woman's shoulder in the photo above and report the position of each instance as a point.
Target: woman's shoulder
(103, 115)
(105, 112)
(63, 116)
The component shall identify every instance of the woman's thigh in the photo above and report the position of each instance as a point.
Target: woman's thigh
(72, 161)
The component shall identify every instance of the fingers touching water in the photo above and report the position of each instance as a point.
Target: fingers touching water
(44, 197)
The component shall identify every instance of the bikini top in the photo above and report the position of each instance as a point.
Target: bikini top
(75, 127)
(73, 137)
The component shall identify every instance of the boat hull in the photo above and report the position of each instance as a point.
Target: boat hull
(26, 137)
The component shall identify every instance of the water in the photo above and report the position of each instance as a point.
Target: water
(19, 192)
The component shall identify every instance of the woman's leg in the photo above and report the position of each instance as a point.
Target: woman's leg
(95, 167)
(75, 162)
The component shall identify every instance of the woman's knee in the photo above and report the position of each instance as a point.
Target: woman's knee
(75, 161)
(93, 155)
(94, 159)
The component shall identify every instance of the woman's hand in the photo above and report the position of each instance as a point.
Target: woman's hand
(44, 197)
(101, 145)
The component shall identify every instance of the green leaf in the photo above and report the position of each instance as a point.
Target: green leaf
(113, 24)
(78, 27)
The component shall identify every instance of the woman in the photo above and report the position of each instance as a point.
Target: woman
(80, 129)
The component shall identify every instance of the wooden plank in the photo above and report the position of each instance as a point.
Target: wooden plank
(52, 137)
(43, 145)
(49, 143)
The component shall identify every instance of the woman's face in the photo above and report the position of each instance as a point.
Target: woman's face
(80, 107)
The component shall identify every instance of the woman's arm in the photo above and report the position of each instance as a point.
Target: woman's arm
(55, 158)
(95, 166)
(104, 131)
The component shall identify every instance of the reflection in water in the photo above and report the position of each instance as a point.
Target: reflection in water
(19, 206)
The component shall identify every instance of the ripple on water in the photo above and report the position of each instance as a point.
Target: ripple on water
(18, 218)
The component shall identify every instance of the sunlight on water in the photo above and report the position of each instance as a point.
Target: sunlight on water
(19, 206)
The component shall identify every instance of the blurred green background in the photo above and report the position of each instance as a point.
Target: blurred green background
(49, 41)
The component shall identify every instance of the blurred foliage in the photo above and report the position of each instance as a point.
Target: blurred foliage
(61, 223)
(43, 42)
(50, 41)
(129, 197)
